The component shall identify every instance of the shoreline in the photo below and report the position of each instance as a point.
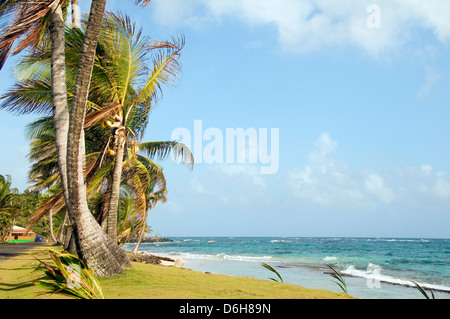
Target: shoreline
(150, 240)
(158, 282)
(219, 258)
(321, 269)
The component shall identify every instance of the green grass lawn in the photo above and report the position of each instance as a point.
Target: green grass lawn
(146, 281)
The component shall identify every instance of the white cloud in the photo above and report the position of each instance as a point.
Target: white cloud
(308, 25)
(198, 186)
(432, 76)
(442, 185)
(247, 173)
(374, 184)
(325, 182)
(329, 183)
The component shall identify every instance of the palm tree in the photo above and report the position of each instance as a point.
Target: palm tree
(8, 210)
(32, 19)
(152, 198)
(33, 93)
(91, 242)
(126, 82)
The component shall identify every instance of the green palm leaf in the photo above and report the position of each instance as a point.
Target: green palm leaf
(340, 281)
(161, 150)
(274, 271)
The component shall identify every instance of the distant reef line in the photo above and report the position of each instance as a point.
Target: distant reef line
(151, 240)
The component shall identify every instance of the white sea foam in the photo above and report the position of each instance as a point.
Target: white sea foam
(329, 258)
(398, 240)
(221, 256)
(281, 241)
(373, 273)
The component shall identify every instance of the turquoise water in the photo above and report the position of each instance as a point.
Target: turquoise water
(374, 267)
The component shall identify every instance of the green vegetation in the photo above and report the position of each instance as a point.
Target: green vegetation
(8, 207)
(98, 66)
(340, 281)
(70, 277)
(422, 291)
(274, 271)
(123, 182)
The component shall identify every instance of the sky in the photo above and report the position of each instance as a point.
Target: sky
(346, 105)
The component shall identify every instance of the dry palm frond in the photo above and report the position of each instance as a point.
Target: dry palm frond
(99, 115)
(55, 203)
(29, 22)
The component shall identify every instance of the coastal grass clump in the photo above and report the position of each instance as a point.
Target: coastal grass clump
(70, 276)
(340, 281)
(422, 291)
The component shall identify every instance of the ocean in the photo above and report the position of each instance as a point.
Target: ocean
(373, 268)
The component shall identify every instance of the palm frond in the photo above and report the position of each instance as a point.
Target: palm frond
(55, 202)
(161, 151)
(268, 267)
(166, 69)
(340, 281)
(422, 291)
(97, 116)
(41, 126)
(143, 2)
(29, 96)
(28, 24)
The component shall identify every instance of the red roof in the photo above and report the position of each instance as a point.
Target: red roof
(18, 229)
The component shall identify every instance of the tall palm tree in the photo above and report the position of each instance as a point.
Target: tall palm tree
(91, 241)
(108, 76)
(31, 19)
(129, 89)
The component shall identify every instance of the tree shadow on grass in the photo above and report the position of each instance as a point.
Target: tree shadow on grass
(11, 287)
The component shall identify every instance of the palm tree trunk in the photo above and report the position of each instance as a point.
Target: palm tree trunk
(8, 239)
(59, 92)
(50, 223)
(59, 238)
(141, 236)
(93, 244)
(102, 219)
(115, 187)
(75, 13)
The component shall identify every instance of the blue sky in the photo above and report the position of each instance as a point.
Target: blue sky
(362, 115)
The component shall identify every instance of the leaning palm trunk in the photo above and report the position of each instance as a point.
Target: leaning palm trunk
(59, 237)
(92, 243)
(115, 187)
(59, 93)
(50, 222)
(141, 236)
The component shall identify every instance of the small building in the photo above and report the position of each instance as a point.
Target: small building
(20, 234)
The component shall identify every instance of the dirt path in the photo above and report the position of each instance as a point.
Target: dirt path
(16, 249)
